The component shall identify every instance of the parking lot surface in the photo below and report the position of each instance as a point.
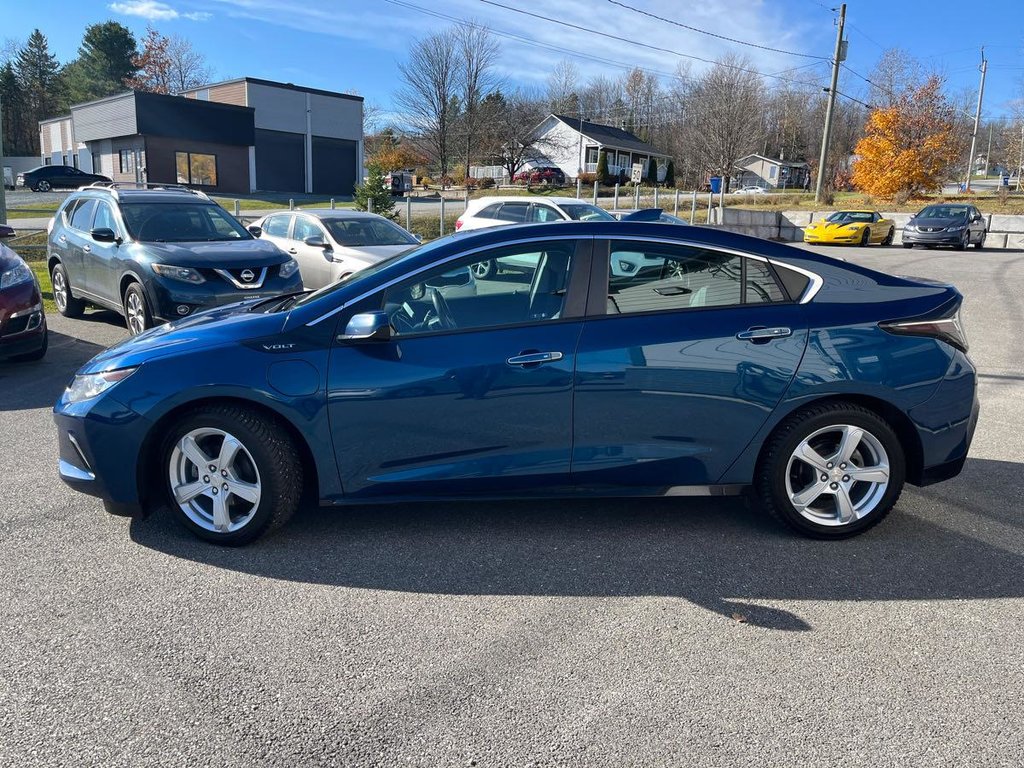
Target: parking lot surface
(580, 633)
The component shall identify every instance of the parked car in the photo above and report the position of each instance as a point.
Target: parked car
(158, 254)
(496, 211)
(8, 180)
(47, 177)
(851, 227)
(547, 174)
(741, 362)
(748, 191)
(955, 224)
(23, 334)
(648, 214)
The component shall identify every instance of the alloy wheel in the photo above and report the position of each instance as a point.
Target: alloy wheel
(136, 313)
(837, 475)
(43, 186)
(214, 480)
(60, 290)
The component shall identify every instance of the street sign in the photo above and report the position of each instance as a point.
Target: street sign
(638, 173)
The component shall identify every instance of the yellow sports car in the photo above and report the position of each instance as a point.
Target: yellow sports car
(856, 227)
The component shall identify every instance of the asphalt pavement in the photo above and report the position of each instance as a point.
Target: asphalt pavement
(581, 633)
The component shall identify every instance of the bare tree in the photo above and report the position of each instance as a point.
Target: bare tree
(478, 51)
(564, 88)
(895, 73)
(429, 93)
(188, 67)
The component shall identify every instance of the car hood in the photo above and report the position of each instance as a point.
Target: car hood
(371, 254)
(224, 325)
(955, 221)
(826, 225)
(8, 258)
(232, 253)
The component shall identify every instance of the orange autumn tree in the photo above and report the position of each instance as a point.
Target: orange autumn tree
(909, 146)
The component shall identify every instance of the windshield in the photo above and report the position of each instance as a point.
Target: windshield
(367, 232)
(355, 276)
(585, 212)
(845, 217)
(943, 212)
(184, 222)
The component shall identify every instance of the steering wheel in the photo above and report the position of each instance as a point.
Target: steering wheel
(442, 310)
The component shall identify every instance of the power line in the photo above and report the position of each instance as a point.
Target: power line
(618, 39)
(714, 34)
(865, 35)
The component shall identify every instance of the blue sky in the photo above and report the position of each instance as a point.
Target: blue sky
(355, 45)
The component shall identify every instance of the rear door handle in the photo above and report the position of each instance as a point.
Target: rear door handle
(87, 249)
(292, 251)
(764, 334)
(63, 238)
(534, 358)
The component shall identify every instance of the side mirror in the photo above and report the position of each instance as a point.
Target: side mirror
(6, 231)
(369, 326)
(104, 235)
(976, 217)
(419, 238)
(254, 230)
(316, 241)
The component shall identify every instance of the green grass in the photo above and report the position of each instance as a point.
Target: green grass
(39, 267)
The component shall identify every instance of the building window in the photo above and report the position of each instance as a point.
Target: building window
(127, 161)
(195, 168)
(97, 165)
(203, 94)
(591, 155)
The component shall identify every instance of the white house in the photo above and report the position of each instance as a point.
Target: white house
(572, 145)
(770, 173)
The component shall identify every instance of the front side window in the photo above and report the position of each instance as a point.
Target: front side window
(543, 213)
(104, 218)
(277, 226)
(305, 228)
(182, 222)
(196, 168)
(655, 278)
(82, 216)
(527, 283)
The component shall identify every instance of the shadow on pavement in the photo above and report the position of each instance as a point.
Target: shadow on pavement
(25, 386)
(718, 554)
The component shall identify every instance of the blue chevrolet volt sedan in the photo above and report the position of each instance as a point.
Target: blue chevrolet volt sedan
(722, 364)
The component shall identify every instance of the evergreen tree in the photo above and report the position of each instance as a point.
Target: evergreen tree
(652, 172)
(105, 62)
(374, 188)
(39, 80)
(13, 113)
(670, 174)
(602, 167)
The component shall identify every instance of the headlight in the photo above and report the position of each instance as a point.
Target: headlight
(956, 228)
(289, 268)
(185, 274)
(910, 228)
(20, 274)
(94, 384)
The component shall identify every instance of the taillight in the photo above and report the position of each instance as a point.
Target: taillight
(948, 328)
(458, 223)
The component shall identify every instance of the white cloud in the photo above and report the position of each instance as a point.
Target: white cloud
(153, 10)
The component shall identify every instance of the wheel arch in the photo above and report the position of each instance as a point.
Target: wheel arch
(148, 482)
(901, 424)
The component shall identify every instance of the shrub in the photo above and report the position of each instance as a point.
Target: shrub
(374, 189)
(471, 183)
(487, 182)
(670, 174)
(901, 197)
(446, 181)
(652, 172)
(602, 167)
(588, 179)
(426, 181)
(1002, 193)
(428, 227)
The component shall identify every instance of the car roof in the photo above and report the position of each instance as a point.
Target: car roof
(487, 200)
(332, 213)
(143, 195)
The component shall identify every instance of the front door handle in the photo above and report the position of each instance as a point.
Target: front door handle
(292, 251)
(534, 358)
(87, 249)
(763, 334)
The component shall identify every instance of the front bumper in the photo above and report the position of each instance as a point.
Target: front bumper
(22, 320)
(172, 300)
(933, 238)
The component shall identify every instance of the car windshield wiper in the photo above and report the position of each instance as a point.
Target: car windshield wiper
(284, 298)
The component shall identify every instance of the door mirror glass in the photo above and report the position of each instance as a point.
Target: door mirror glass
(316, 241)
(368, 326)
(254, 230)
(103, 235)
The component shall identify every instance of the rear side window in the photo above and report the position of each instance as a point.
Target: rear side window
(490, 212)
(794, 282)
(761, 287)
(543, 213)
(82, 216)
(513, 212)
(277, 226)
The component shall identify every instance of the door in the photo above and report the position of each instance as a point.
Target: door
(79, 244)
(683, 363)
(474, 392)
(314, 262)
(102, 267)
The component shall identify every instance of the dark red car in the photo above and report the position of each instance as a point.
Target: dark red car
(23, 334)
(544, 175)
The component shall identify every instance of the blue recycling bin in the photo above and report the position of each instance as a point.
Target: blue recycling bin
(716, 184)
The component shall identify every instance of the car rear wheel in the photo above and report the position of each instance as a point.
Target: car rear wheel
(831, 471)
(136, 310)
(233, 474)
(65, 300)
(41, 186)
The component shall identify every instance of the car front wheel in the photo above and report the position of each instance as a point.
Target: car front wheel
(233, 474)
(484, 270)
(831, 471)
(136, 310)
(41, 186)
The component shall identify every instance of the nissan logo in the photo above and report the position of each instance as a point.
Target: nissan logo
(248, 275)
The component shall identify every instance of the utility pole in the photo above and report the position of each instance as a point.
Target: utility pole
(840, 55)
(988, 153)
(3, 182)
(1020, 164)
(977, 119)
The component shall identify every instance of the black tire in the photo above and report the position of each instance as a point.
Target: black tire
(484, 270)
(908, 245)
(865, 238)
(771, 478)
(30, 357)
(274, 456)
(964, 242)
(889, 236)
(137, 315)
(981, 241)
(41, 186)
(72, 307)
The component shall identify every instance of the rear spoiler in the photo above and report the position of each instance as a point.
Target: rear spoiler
(644, 214)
